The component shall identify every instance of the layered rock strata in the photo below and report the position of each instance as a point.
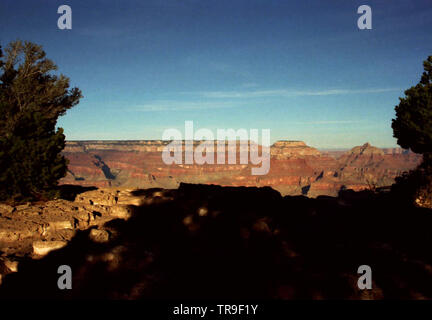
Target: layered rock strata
(295, 168)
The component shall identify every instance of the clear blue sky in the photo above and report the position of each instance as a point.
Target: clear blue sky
(301, 68)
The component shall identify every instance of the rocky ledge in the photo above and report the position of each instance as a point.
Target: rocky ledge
(213, 242)
(35, 229)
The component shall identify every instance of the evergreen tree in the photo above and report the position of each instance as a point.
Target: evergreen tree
(31, 100)
(413, 124)
(413, 129)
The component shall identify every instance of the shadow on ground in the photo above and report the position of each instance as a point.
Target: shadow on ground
(70, 191)
(226, 242)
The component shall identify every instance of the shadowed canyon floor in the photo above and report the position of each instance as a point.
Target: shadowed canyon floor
(205, 241)
(295, 168)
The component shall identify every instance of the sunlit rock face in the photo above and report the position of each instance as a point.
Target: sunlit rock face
(288, 149)
(295, 168)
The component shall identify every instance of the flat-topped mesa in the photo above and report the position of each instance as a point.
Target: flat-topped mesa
(73, 147)
(151, 145)
(365, 149)
(287, 149)
(130, 145)
(289, 143)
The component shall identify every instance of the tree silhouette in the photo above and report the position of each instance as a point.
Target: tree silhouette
(413, 129)
(413, 124)
(31, 100)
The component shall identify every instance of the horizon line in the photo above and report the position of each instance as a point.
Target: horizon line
(282, 140)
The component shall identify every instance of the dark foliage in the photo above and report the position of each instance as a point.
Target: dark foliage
(413, 129)
(31, 100)
(416, 184)
(413, 124)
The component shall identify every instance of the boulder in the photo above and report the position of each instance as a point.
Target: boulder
(99, 236)
(61, 224)
(11, 265)
(131, 200)
(42, 248)
(5, 208)
(121, 211)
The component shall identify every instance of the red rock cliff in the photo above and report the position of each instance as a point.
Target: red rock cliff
(295, 168)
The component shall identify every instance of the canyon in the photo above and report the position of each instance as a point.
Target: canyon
(295, 168)
(132, 227)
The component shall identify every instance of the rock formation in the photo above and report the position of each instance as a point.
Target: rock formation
(213, 242)
(292, 149)
(34, 230)
(295, 167)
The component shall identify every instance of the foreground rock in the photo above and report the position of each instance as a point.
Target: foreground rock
(37, 229)
(216, 242)
(42, 248)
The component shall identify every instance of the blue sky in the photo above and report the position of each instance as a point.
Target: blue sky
(300, 68)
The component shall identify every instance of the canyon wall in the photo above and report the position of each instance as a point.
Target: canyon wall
(295, 168)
